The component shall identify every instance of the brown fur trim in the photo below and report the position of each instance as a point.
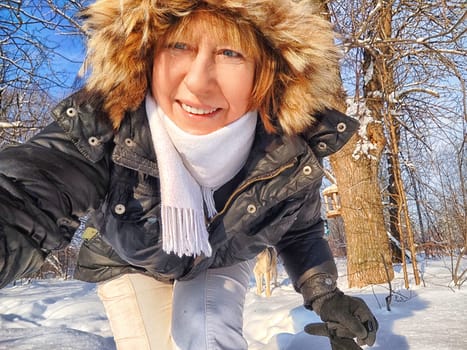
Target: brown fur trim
(123, 35)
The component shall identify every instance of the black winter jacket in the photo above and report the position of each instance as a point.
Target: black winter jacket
(78, 165)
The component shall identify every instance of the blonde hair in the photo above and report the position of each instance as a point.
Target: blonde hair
(242, 35)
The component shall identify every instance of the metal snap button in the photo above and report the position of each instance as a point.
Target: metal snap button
(251, 209)
(307, 170)
(119, 209)
(71, 112)
(341, 127)
(322, 146)
(93, 141)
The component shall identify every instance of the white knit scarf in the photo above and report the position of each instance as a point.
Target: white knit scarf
(191, 168)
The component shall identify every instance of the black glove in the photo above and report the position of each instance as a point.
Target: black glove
(346, 317)
(337, 343)
(349, 317)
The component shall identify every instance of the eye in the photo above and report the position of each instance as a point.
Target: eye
(231, 53)
(178, 46)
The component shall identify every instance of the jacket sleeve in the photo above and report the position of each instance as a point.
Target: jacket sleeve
(303, 249)
(46, 184)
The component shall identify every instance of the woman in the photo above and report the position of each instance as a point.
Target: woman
(194, 145)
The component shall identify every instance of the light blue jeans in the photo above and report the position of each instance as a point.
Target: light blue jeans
(205, 313)
(208, 310)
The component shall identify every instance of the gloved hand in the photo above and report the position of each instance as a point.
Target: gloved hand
(337, 343)
(349, 317)
(345, 317)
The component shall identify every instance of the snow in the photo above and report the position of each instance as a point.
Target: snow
(56, 314)
(369, 73)
(359, 111)
(6, 125)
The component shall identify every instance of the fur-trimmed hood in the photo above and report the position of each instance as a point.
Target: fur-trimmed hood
(122, 35)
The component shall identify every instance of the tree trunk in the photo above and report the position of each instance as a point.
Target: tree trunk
(362, 211)
(368, 252)
(393, 212)
(401, 200)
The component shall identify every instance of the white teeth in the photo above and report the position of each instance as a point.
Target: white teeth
(194, 110)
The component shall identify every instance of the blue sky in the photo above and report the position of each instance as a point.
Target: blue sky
(62, 46)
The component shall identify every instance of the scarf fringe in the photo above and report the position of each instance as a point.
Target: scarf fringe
(184, 232)
(208, 196)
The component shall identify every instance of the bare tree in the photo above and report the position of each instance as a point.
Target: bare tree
(360, 195)
(405, 72)
(34, 60)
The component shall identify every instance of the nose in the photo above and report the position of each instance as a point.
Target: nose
(200, 74)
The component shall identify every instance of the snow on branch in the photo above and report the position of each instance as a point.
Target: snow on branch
(359, 111)
(11, 125)
(417, 90)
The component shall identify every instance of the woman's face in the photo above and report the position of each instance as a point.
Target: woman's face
(202, 83)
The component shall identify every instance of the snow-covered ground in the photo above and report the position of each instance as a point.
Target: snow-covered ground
(54, 314)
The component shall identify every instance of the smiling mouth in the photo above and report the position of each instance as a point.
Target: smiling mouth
(197, 111)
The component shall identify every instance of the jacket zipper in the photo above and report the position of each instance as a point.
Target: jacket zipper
(248, 183)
